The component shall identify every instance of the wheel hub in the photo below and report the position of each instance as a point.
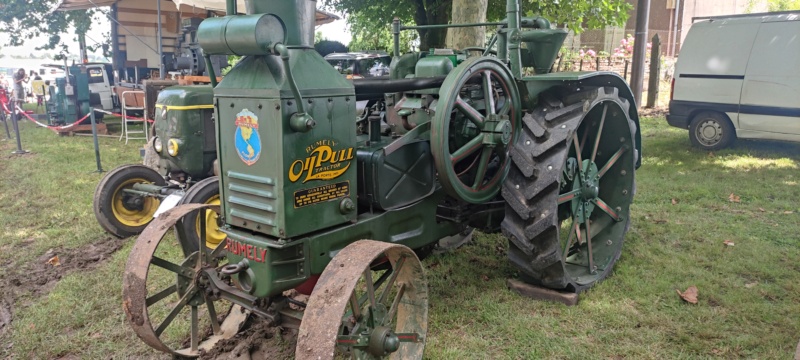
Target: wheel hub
(586, 185)
(383, 341)
(710, 132)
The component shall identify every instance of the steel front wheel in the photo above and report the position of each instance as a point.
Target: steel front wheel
(171, 294)
(711, 131)
(569, 191)
(119, 211)
(356, 311)
(204, 192)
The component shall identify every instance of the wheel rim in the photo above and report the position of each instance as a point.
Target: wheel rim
(132, 210)
(472, 133)
(162, 279)
(595, 193)
(213, 236)
(386, 319)
(709, 133)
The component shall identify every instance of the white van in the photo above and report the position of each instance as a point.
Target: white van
(739, 77)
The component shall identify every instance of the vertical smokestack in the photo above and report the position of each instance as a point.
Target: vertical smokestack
(297, 15)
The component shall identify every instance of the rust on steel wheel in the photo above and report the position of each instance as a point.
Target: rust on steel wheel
(167, 293)
(359, 312)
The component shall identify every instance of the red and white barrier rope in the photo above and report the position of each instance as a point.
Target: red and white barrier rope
(128, 118)
(54, 128)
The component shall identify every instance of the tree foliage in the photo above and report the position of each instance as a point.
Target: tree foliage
(325, 47)
(579, 15)
(23, 20)
(783, 5)
(370, 20)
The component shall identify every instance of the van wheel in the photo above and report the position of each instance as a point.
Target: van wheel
(711, 131)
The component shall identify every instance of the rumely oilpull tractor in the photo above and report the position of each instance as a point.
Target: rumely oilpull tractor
(547, 159)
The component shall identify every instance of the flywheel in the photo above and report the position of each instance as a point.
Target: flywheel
(476, 124)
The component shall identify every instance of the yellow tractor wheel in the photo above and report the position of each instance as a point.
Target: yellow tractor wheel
(118, 209)
(204, 192)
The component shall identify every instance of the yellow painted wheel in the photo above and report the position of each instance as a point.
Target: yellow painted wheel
(205, 191)
(213, 236)
(119, 212)
(135, 212)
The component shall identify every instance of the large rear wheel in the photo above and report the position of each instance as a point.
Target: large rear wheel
(570, 187)
(120, 212)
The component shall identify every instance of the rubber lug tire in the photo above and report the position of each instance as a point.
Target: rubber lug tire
(104, 197)
(531, 190)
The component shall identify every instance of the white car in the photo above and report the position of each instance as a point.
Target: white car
(739, 77)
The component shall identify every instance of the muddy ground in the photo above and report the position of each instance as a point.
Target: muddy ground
(22, 282)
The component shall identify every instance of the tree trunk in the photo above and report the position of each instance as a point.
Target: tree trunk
(468, 11)
(432, 12)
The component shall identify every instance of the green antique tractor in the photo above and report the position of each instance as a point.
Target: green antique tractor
(315, 202)
(128, 197)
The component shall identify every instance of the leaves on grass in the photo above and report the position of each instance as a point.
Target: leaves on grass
(660, 221)
(690, 295)
(762, 210)
(54, 261)
(751, 284)
(788, 212)
(734, 198)
(728, 243)
(674, 202)
(484, 278)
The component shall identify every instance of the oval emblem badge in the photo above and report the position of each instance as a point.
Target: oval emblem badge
(248, 142)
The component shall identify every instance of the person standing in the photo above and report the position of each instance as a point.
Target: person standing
(20, 77)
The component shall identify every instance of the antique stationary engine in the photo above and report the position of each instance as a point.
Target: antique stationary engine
(547, 159)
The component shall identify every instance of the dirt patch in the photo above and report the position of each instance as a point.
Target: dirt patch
(39, 276)
(653, 112)
(257, 341)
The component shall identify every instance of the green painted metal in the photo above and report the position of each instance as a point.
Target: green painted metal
(241, 35)
(184, 113)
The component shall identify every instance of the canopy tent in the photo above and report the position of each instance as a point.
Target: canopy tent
(322, 17)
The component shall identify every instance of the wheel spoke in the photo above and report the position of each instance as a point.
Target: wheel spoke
(201, 239)
(469, 148)
(160, 295)
(577, 150)
(606, 208)
(195, 335)
(370, 286)
(488, 92)
(573, 229)
(617, 155)
(164, 264)
(472, 114)
(397, 266)
(588, 221)
(599, 132)
(355, 306)
(483, 164)
(568, 196)
(212, 313)
(393, 309)
(177, 309)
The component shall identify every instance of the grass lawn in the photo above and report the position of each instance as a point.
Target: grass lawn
(748, 293)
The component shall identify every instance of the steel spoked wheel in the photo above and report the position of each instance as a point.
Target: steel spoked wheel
(570, 190)
(118, 208)
(204, 192)
(357, 312)
(171, 293)
(476, 123)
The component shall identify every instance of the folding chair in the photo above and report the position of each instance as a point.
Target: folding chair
(132, 102)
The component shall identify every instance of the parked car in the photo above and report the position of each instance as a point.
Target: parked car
(738, 77)
(360, 64)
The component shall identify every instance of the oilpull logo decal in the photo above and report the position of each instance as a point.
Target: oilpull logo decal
(325, 161)
(248, 142)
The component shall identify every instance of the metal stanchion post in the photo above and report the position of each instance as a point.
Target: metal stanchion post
(14, 119)
(5, 117)
(96, 146)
